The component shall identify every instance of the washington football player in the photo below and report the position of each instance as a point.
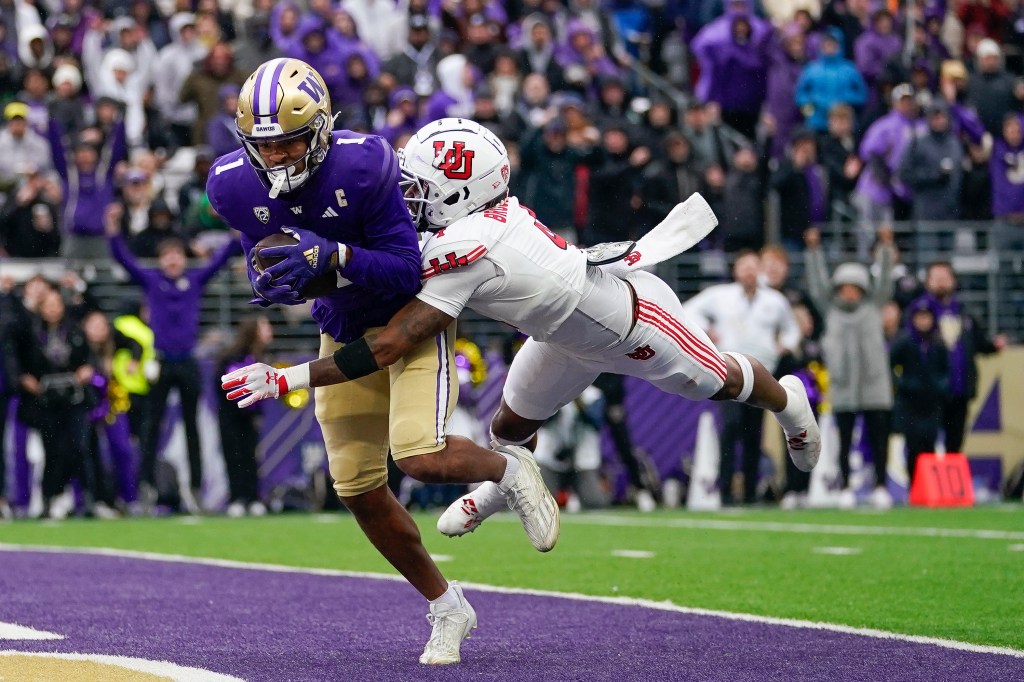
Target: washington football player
(338, 194)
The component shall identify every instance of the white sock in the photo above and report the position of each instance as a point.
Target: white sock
(511, 469)
(450, 597)
(791, 416)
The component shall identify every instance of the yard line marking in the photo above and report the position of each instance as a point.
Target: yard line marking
(837, 551)
(20, 632)
(779, 527)
(442, 557)
(189, 520)
(326, 518)
(1017, 548)
(632, 554)
(164, 669)
(576, 596)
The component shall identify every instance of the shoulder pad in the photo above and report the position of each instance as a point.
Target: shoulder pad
(443, 253)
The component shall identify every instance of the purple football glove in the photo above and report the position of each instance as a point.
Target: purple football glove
(309, 258)
(268, 292)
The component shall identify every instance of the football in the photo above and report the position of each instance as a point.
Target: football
(319, 286)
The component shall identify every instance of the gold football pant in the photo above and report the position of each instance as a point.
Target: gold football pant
(404, 408)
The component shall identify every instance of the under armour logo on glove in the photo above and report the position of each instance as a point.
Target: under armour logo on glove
(251, 384)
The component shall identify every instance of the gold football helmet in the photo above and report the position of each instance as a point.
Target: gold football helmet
(282, 100)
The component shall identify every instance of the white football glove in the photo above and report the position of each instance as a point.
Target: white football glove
(255, 382)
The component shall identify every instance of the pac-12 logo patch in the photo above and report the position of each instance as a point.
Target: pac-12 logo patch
(262, 214)
(457, 162)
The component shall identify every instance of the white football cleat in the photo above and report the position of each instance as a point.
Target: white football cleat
(645, 501)
(465, 514)
(529, 497)
(451, 625)
(804, 443)
(880, 498)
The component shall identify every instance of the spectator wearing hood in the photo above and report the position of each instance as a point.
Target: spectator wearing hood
(736, 70)
(327, 58)
(537, 54)
(20, 16)
(932, 167)
(455, 98)
(416, 64)
(256, 46)
(148, 18)
(920, 364)
(991, 90)
(202, 85)
(881, 151)
(1006, 166)
(381, 24)
(220, 131)
(121, 80)
(284, 24)
(35, 50)
(125, 35)
(876, 46)
(65, 105)
(403, 118)
(854, 350)
(719, 33)
(20, 146)
(174, 63)
(787, 58)
(582, 57)
(829, 80)
(713, 141)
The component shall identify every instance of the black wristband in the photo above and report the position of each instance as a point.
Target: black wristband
(355, 360)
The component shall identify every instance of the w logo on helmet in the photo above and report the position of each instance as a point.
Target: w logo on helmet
(457, 162)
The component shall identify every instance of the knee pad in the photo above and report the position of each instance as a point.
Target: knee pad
(747, 371)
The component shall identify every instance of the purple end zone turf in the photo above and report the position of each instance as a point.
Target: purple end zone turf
(270, 626)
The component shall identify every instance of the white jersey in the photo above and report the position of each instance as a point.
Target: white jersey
(504, 264)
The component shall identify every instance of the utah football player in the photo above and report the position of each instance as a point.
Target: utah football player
(338, 194)
(489, 253)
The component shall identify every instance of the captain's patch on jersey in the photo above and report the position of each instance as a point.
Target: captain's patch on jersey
(436, 266)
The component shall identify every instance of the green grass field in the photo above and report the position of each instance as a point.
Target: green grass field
(896, 572)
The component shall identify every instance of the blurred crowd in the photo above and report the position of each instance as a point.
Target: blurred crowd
(857, 111)
(854, 109)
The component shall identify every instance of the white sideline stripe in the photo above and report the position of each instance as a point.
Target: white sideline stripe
(837, 551)
(575, 596)
(632, 554)
(178, 673)
(779, 527)
(20, 632)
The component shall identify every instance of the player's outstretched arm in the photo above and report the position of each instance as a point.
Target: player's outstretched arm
(410, 326)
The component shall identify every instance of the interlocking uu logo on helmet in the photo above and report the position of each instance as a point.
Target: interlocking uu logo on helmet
(457, 163)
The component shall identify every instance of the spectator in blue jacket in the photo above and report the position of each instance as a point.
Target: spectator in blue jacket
(831, 79)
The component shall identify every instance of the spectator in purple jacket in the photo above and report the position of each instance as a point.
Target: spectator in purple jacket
(175, 291)
(220, 131)
(403, 118)
(876, 46)
(737, 70)
(787, 58)
(719, 32)
(88, 185)
(582, 57)
(1006, 166)
(881, 151)
(284, 24)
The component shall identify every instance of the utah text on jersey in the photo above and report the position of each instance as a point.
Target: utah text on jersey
(451, 261)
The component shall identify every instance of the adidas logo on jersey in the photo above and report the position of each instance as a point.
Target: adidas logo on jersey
(312, 256)
(330, 213)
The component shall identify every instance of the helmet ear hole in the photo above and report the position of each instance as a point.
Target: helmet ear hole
(452, 199)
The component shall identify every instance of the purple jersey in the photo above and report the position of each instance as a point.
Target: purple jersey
(353, 199)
